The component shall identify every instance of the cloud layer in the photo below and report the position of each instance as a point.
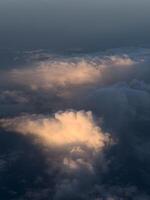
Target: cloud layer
(88, 118)
(66, 73)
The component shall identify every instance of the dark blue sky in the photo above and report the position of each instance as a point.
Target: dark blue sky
(86, 25)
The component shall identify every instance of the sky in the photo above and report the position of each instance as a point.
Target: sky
(74, 100)
(70, 25)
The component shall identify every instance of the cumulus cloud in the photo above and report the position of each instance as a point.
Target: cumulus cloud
(66, 128)
(58, 74)
(66, 73)
(74, 132)
(75, 140)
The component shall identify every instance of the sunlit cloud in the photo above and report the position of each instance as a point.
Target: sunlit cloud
(66, 74)
(73, 136)
(65, 128)
(59, 74)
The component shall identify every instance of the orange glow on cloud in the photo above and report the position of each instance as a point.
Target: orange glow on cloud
(63, 129)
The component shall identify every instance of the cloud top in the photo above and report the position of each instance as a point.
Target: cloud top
(66, 74)
(65, 128)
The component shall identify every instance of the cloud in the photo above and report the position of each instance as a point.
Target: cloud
(65, 128)
(82, 160)
(12, 96)
(123, 100)
(73, 143)
(58, 74)
(71, 72)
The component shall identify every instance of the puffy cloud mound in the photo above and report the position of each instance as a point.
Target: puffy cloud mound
(66, 73)
(58, 74)
(65, 128)
(74, 145)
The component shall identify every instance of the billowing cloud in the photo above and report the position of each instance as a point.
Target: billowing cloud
(66, 128)
(66, 73)
(74, 139)
(58, 74)
(74, 132)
